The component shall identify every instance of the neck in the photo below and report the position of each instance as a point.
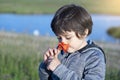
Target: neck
(83, 44)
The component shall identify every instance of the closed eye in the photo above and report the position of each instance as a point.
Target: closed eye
(68, 38)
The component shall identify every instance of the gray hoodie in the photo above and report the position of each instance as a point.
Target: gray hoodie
(87, 63)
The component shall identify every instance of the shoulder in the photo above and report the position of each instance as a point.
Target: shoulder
(93, 51)
(95, 62)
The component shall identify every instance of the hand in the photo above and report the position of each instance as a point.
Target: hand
(53, 64)
(51, 58)
(49, 53)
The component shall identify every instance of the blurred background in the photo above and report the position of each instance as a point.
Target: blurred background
(25, 34)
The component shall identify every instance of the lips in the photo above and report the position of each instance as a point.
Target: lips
(63, 46)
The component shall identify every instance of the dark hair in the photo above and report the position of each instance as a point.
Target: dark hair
(71, 18)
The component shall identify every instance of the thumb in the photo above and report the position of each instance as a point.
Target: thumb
(56, 51)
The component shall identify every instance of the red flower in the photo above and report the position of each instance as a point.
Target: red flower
(63, 46)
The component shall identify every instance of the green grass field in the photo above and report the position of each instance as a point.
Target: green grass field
(50, 6)
(21, 54)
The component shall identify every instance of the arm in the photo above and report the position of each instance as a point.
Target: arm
(94, 69)
(43, 72)
(66, 74)
(49, 63)
(95, 66)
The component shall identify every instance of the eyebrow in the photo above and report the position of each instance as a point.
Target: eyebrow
(65, 34)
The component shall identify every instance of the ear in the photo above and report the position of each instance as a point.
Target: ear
(78, 35)
(84, 35)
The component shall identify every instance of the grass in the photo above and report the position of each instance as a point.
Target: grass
(20, 55)
(50, 6)
(112, 74)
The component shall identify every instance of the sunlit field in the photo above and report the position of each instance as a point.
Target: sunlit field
(20, 56)
(50, 6)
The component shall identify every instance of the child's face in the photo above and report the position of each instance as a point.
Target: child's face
(70, 38)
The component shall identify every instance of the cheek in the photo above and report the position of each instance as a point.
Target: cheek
(75, 43)
(72, 48)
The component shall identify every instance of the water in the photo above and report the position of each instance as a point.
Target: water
(26, 23)
(40, 25)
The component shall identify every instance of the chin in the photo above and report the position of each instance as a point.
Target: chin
(70, 51)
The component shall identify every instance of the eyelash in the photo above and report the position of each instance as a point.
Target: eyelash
(68, 38)
(59, 38)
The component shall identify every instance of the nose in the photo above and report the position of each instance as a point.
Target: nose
(63, 40)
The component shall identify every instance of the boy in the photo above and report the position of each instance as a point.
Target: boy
(83, 60)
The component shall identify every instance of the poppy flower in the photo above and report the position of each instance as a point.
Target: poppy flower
(63, 46)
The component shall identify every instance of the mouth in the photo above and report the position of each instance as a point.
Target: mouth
(63, 46)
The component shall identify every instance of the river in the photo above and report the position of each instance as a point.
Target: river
(40, 25)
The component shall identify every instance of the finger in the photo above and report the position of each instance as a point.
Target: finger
(46, 55)
(51, 52)
(56, 51)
